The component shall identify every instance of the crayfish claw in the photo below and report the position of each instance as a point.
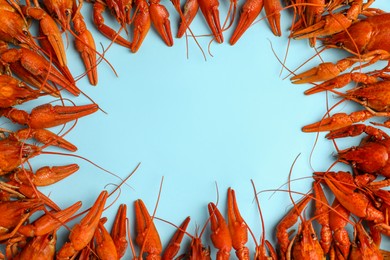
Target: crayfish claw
(85, 45)
(337, 121)
(342, 80)
(272, 10)
(147, 235)
(141, 24)
(174, 245)
(331, 24)
(49, 222)
(160, 19)
(334, 122)
(324, 71)
(308, 32)
(49, 175)
(210, 12)
(83, 232)
(357, 129)
(220, 235)
(46, 115)
(48, 29)
(44, 136)
(118, 230)
(45, 175)
(243, 25)
(91, 220)
(250, 10)
(352, 130)
(105, 247)
(337, 82)
(191, 7)
(237, 227)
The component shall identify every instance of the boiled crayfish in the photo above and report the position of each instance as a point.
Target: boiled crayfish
(366, 39)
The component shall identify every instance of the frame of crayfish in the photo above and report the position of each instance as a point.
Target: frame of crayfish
(198, 123)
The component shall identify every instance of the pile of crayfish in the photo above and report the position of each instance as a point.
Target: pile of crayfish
(362, 32)
(90, 239)
(32, 66)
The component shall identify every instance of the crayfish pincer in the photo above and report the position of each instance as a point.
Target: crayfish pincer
(45, 116)
(83, 232)
(147, 237)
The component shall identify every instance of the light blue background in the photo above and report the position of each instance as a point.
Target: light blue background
(199, 124)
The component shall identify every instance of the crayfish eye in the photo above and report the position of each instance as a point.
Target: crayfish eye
(25, 32)
(126, 9)
(300, 237)
(67, 12)
(313, 236)
(50, 237)
(27, 211)
(27, 152)
(340, 44)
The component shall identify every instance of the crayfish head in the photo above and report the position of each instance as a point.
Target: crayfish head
(306, 244)
(29, 151)
(17, 31)
(375, 96)
(121, 10)
(363, 246)
(60, 11)
(354, 40)
(198, 250)
(14, 153)
(126, 9)
(40, 247)
(370, 157)
(17, 210)
(14, 92)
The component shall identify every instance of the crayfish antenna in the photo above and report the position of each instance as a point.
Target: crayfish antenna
(231, 14)
(85, 159)
(174, 244)
(261, 252)
(185, 24)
